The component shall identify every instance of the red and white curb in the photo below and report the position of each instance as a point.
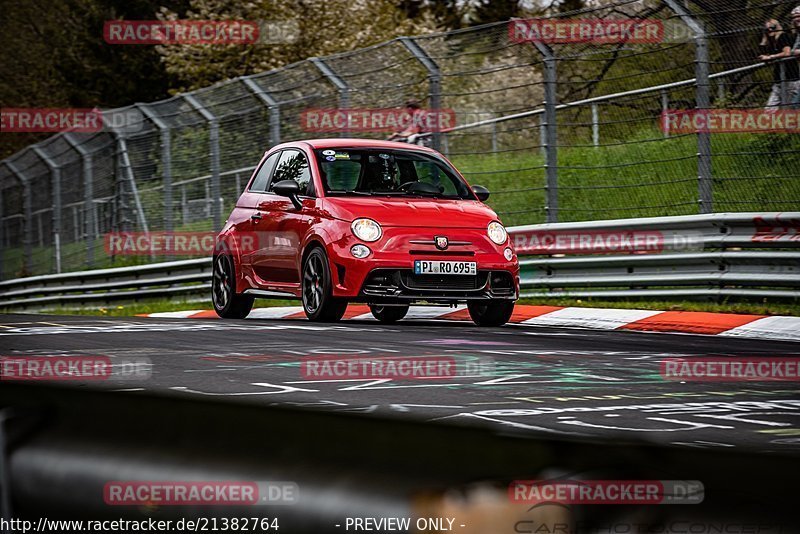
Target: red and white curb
(722, 324)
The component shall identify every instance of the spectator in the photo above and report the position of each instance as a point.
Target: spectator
(796, 51)
(415, 127)
(776, 44)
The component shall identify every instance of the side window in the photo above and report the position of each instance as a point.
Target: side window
(430, 173)
(293, 165)
(262, 177)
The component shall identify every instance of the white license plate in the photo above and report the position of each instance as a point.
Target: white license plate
(445, 267)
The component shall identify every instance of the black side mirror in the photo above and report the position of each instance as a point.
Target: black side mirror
(290, 189)
(481, 192)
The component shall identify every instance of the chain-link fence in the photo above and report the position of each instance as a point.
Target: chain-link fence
(558, 131)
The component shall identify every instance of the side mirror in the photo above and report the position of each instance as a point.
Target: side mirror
(290, 189)
(481, 192)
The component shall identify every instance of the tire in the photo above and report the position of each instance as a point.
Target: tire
(491, 313)
(388, 314)
(317, 289)
(227, 303)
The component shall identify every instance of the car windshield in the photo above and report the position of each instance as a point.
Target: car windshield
(381, 172)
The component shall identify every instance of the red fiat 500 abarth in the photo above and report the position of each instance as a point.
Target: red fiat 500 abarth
(389, 224)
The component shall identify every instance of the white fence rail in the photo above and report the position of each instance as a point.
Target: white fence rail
(743, 255)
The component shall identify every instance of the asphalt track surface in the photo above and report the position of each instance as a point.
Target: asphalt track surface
(517, 379)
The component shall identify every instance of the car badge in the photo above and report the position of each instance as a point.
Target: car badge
(441, 242)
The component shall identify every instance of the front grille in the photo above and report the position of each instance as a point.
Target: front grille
(453, 253)
(436, 281)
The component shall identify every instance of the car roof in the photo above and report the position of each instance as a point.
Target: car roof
(344, 142)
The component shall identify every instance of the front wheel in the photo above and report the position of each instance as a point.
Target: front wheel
(491, 313)
(318, 301)
(227, 303)
(388, 314)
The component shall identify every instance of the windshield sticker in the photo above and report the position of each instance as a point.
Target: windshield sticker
(342, 155)
(328, 152)
(330, 158)
(384, 156)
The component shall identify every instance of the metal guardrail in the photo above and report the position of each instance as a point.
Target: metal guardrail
(697, 256)
(186, 277)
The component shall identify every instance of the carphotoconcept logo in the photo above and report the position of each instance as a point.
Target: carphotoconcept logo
(330, 120)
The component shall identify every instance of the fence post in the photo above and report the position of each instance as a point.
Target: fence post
(595, 126)
(2, 235)
(703, 99)
(88, 197)
(550, 132)
(125, 164)
(55, 176)
(434, 80)
(273, 106)
(664, 109)
(213, 136)
(341, 86)
(27, 210)
(166, 162)
(494, 134)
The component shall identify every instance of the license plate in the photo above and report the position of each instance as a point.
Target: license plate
(445, 267)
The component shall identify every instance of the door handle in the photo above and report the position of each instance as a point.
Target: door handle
(256, 216)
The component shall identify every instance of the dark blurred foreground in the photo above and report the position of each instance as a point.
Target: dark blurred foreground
(62, 445)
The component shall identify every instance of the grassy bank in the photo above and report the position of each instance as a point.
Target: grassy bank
(155, 306)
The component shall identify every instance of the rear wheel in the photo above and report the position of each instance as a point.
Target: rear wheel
(318, 301)
(388, 314)
(227, 303)
(491, 313)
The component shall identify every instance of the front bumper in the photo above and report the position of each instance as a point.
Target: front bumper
(387, 276)
(403, 286)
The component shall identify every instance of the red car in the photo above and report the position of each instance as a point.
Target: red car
(334, 221)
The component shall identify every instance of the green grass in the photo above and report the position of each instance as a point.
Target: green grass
(647, 176)
(155, 306)
(127, 310)
(757, 308)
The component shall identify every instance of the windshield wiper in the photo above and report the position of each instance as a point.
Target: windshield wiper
(343, 192)
(366, 193)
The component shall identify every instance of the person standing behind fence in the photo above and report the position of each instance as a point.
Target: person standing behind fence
(412, 133)
(795, 52)
(776, 44)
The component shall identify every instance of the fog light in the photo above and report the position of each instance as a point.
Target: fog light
(360, 251)
(508, 253)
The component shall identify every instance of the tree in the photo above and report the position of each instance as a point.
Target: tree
(52, 54)
(321, 27)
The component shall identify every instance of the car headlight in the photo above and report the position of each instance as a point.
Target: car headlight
(366, 230)
(497, 233)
